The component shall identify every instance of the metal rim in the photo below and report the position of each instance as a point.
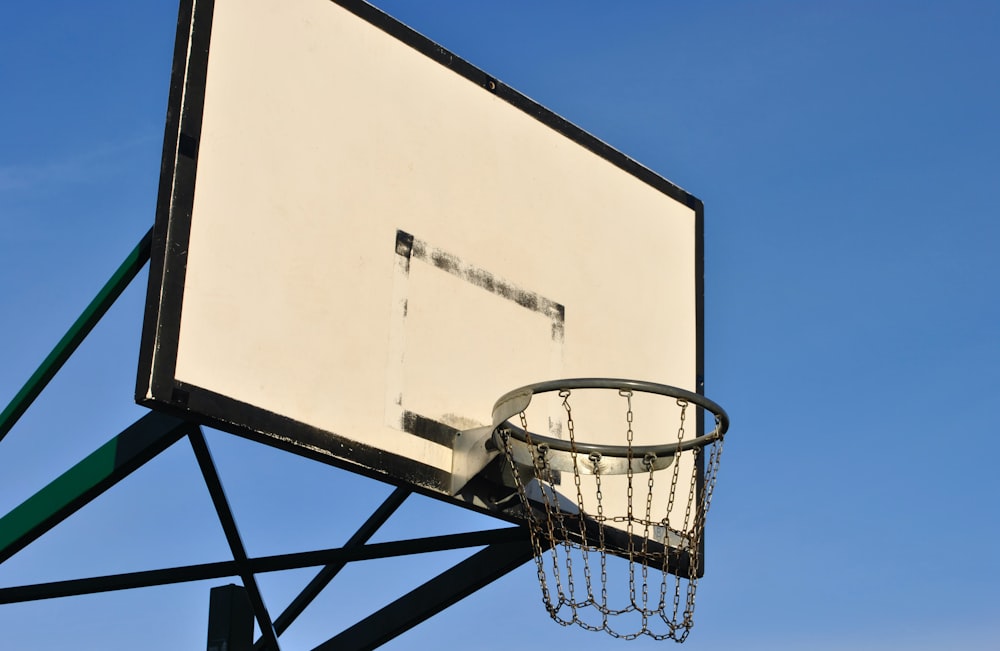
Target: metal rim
(516, 401)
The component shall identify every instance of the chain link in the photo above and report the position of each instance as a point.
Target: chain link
(568, 538)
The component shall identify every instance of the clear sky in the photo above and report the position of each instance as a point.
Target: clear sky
(848, 155)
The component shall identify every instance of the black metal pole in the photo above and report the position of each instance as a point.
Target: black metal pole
(233, 536)
(222, 569)
(325, 575)
(230, 619)
(453, 585)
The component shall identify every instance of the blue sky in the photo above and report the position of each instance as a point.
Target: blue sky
(847, 154)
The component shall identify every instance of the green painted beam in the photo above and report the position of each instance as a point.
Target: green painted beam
(76, 334)
(98, 472)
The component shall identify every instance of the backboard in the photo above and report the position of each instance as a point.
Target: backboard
(362, 241)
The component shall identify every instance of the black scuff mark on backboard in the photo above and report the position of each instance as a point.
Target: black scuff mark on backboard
(404, 245)
(411, 247)
(483, 279)
(559, 324)
(445, 262)
(407, 248)
(428, 429)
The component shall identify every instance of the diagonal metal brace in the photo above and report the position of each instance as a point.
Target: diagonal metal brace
(225, 513)
(448, 588)
(92, 314)
(99, 471)
(325, 575)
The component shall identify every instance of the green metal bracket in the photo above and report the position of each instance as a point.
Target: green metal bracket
(98, 472)
(76, 334)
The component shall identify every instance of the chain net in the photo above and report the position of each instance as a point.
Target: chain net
(610, 570)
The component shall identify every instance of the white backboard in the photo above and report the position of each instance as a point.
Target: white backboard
(362, 241)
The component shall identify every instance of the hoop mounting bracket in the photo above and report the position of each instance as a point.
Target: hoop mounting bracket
(470, 455)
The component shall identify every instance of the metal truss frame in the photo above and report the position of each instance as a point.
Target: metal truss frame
(505, 548)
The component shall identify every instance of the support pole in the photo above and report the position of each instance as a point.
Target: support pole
(230, 619)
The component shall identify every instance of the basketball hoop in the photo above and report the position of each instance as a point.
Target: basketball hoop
(579, 527)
